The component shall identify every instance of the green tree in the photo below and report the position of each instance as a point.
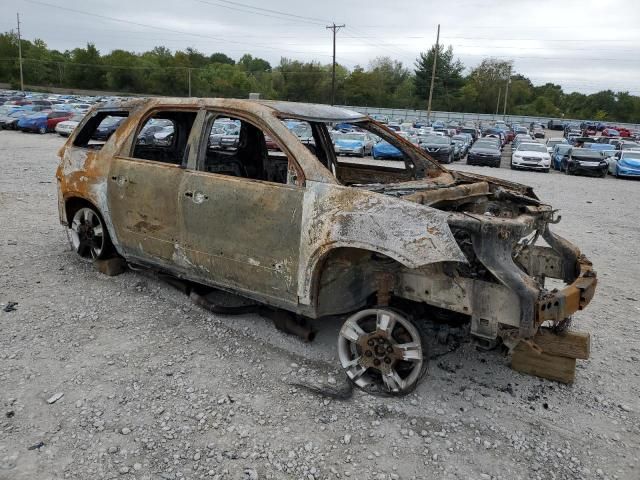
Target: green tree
(448, 78)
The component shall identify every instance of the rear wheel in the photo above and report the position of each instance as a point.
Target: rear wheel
(381, 351)
(42, 130)
(88, 234)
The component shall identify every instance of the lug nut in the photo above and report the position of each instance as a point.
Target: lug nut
(368, 353)
(376, 362)
(389, 350)
(370, 342)
(387, 360)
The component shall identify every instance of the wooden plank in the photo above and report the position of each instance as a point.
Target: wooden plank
(572, 343)
(526, 359)
(111, 266)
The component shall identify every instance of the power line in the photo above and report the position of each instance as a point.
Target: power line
(262, 11)
(139, 24)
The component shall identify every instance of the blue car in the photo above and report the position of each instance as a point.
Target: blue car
(352, 143)
(384, 150)
(560, 151)
(36, 122)
(625, 164)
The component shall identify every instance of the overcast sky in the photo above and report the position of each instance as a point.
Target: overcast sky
(583, 45)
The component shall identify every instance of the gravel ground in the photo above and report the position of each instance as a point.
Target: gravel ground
(156, 388)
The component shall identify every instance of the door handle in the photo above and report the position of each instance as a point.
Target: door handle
(197, 197)
(120, 180)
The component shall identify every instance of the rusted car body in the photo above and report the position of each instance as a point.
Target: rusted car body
(331, 237)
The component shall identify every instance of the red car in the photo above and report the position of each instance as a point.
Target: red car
(54, 118)
(610, 132)
(624, 132)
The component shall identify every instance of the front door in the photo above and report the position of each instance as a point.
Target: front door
(242, 216)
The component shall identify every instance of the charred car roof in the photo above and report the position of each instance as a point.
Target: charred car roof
(301, 111)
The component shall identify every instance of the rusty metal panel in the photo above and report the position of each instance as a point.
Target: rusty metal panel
(143, 206)
(242, 233)
(336, 216)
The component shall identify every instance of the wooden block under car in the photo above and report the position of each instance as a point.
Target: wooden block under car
(111, 266)
(526, 359)
(571, 343)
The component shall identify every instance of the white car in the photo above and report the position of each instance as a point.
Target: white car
(67, 127)
(552, 142)
(531, 155)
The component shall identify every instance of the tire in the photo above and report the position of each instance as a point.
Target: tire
(142, 141)
(387, 329)
(42, 130)
(604, 174)
(88, 234)
(545, 170)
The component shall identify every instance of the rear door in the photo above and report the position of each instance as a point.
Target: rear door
(144, 185)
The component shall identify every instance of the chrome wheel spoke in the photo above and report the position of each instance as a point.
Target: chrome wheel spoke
(410, 352)
(385, 322)
(351, 331)
(393, 381)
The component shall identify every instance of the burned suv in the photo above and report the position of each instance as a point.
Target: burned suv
(383, 244)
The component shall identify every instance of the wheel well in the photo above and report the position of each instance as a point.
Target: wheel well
(73, 204)
(345, 279)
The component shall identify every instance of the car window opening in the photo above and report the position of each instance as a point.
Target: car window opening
(238, 148)
(164, 136)
(99, 128)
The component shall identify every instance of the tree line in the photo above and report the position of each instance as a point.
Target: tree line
(383, 83)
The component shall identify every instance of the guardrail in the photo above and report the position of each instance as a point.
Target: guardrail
(411, 115)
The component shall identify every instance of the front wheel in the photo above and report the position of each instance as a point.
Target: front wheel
(381, 351)
(42, 130)
(88, 235)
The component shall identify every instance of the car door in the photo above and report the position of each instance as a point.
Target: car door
(144, 185)
(238, 232)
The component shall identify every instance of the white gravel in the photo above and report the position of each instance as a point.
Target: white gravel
(156, 388)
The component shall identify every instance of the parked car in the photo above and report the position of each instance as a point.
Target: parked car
(532, 156)
(555, 125)
(627, 145)
(521, 138)
(552, 142)
(384, 150)
(107, 127)
(586, 161)
(624, 163)
(560, 153)
(439, 148)
(304, 234)
(57, 116)
(146, 135)
(66, 127)
(471, 131)
(537, 132)
(484, 152)
(465, 142)
(353, 143)
(10, 121)
(35, 122)
(610, 132)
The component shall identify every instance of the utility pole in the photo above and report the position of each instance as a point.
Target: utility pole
(498, 104)
(433, 74)
(335, 29)
(20, 53)
(189, 79)
(506, 94)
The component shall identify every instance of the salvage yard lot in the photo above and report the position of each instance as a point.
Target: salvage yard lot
(155, 387)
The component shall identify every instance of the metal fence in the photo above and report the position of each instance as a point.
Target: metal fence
(484, 118)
